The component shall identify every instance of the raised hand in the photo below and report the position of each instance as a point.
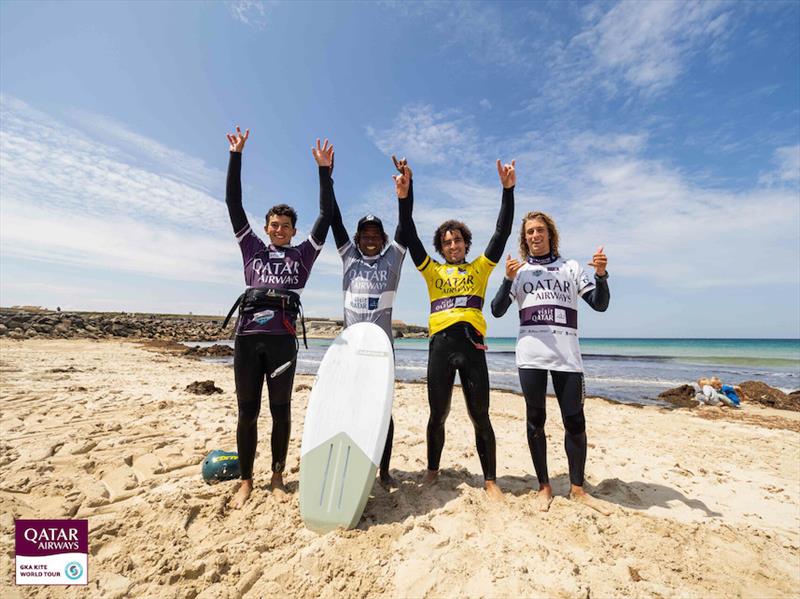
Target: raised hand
(323, 154)
(508, 176)
(512, 267)
(401, 164)
(402, 181)
(599, 262)
(238, 140)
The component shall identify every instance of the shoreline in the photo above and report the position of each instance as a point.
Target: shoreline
(103, 430)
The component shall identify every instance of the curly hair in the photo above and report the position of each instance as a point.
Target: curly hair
(552, 233)
(449, 226)
(283, 210)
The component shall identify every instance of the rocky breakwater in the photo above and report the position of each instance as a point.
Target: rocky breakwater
(27, 324)
(16, 323)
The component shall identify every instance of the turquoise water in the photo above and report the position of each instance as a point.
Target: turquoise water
(627, 370)
(777, 352)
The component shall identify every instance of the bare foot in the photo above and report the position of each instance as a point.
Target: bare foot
(493, 491)
(579, 495)
(431, 478)
(276, 484)
(242, 495)
(543, 499)
(386, 480)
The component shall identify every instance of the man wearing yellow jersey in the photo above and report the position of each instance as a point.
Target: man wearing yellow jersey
(456, 289)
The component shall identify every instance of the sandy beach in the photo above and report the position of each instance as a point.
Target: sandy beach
(706, 503)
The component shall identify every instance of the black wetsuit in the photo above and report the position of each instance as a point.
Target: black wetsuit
(265, 347)
(459, 348)
(570, 391)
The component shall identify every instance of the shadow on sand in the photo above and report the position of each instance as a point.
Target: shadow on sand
(640, 495)
(411, 498)
(637, 495)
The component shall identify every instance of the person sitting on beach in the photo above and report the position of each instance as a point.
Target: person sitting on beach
(371, 275)
(456, 324)
(546, 288)
(713, 393)
(266, 342)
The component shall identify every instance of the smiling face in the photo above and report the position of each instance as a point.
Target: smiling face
(537, 237)
(370, 240)
(454, 248)
(279, 229)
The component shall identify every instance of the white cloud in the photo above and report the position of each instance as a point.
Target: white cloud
(485, 104)
(647, 44)
(787, 163)
(71, 198)
(478, 30)
(658, 224)
(427, 135)
(249, 12)
(661, 227)
(143, 150)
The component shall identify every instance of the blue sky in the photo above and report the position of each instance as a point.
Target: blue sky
(668, 132)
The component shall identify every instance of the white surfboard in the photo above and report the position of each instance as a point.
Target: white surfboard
(347, 421)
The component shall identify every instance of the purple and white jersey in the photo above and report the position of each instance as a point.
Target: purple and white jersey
(370, 284)
(276, 267)
(547, 296)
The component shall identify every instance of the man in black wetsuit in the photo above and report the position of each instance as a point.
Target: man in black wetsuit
(456, 326)
(266, 343)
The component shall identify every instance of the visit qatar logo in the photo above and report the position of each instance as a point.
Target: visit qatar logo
(52, 551)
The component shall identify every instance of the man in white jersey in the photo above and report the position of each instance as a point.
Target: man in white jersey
(546, 288)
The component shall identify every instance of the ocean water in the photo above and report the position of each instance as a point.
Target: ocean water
(626, 370)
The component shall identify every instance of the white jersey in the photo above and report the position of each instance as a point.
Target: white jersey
(547, 296)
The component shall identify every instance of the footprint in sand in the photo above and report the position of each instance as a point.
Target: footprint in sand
(120, 480)
(146, 466)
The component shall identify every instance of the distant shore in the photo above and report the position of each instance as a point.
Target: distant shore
(30, 322)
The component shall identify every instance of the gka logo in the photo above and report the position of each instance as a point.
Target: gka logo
(73, 571)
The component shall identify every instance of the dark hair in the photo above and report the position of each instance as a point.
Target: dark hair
(283, 210)
(357, 236)
(447, 227)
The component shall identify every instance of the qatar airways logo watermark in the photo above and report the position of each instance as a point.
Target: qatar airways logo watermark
(283, 272)
(52, 551)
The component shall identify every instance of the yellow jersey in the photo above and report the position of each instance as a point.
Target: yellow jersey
(456, 292)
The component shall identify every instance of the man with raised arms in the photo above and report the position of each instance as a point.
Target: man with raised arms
(266, 342)
(456, 325)
(546, 288)
(371, 275)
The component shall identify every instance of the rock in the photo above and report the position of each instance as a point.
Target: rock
(213, 351)
(758, 392)
(681, 397)
(203, 388)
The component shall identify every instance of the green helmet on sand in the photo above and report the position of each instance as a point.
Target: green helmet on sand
(221, 465)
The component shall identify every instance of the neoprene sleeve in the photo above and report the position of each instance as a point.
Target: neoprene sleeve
(233, 192)
(599, 297)
(502, 299)
(400, 231)
(326, 200)
(502, 230)
(414, 245)
(340, 235)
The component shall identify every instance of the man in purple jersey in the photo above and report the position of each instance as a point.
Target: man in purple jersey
(266, 343)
